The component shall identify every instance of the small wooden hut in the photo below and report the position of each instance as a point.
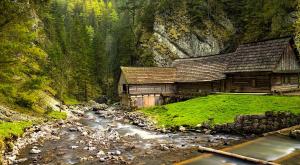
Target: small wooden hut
(267, 66)
(146, 86)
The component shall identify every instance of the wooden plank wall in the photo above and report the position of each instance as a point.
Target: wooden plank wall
(147, 100)
(288, 61)
(152, 89)
(249, 82)
(285, 82)
(193, 88)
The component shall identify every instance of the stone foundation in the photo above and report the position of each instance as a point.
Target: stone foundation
(258, 124)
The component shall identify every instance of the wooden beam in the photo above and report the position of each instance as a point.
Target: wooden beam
(298, 79)
(241, 157)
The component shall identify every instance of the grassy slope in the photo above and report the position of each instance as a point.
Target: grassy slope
(16, 128)
(222, 108)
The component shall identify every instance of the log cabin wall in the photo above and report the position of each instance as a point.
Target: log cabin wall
(286, 77)
(200, 87)
(146, 100)
(163, 89)
(288, 61)
(193, 88)
(252, 82)
(147, 95)
(282, 82)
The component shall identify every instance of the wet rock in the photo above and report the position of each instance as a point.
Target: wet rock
(61, 122)
(97, 106)
(73, 129)
(35, 151)
(118, 152)
(12, 158)
(207, 131)
(83, 159)
(102, 160)
(74, 147)
(84, 133)
(100, 154)
(20, 160)
(60, 153)
(91, 148)
(182, 129)
(163, 147)
(295, 134)
(34, 159)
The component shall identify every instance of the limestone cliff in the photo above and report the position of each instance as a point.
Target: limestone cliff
(174, 36)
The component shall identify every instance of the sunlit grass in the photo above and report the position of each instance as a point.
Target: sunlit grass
(221, 108)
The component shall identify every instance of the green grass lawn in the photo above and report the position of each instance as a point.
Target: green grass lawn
(222, 108)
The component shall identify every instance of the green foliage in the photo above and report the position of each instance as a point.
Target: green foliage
(9, 129)
(69, 100)
(8, 90)
(27, 99)
(220, 108)
(297, 27)
(57, 115)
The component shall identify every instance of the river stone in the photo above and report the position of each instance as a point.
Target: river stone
(72, 129)
(74, 147)
(118, 152)
(182, 129)
(35, 151)
(295, 134)
(100, 153)
(20, 160)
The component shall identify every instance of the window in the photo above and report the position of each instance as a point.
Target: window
(124, 88)
(253, 82)
(286, 79)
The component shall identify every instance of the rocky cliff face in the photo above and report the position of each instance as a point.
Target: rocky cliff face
(174, 37)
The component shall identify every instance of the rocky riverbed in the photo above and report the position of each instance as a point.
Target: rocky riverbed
(96, 133)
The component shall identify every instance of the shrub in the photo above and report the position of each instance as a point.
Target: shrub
(57, 115)
(26, 99)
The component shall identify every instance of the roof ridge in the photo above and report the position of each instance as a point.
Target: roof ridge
(145, 67)
(194, 58)
(266, 40)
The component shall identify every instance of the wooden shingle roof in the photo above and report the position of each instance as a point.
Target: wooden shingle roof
(259, 56)
(149, 75)
(206, 68)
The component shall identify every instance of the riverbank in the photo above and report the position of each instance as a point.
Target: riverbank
(101, 134)
(96, 133)
(15, 121)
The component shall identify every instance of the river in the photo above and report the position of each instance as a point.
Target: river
(95, 139)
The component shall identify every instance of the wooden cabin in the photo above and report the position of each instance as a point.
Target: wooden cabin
(261, 67)
(146, 86)
(267, 66)
(202, 75)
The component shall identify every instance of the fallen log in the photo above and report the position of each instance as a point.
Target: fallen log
(241, 157)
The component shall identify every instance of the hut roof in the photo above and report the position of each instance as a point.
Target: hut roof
(258, 56)
(206, 68)
(149, 75)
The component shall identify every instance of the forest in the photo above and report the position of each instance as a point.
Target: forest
(73, 49)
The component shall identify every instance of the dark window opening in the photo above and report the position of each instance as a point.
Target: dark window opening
(124, 88)
(253, 82)
(286, 79)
